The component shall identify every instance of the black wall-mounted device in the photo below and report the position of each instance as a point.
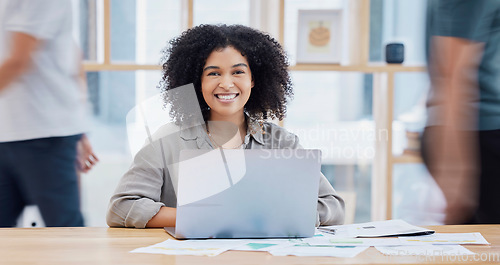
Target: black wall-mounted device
(394, 53)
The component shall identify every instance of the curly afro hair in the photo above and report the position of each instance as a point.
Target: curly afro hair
(184, 58)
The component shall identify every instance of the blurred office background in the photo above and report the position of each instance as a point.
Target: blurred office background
(337, 108)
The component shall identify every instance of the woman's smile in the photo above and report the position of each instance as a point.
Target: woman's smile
(226, 97)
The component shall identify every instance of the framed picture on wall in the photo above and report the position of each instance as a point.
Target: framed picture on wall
(319, 36)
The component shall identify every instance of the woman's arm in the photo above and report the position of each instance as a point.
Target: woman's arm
(164, 218)
(331, 207)
(138, 197)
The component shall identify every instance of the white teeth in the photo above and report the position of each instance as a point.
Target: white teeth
(227, 97)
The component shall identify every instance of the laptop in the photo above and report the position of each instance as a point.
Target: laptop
(266, 193)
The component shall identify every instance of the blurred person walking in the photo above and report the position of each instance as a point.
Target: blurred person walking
(42, 113)
(461, 143)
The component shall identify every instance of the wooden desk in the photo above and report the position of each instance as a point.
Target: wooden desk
(112, 245)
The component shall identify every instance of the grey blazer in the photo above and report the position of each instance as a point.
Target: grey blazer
(151, 182)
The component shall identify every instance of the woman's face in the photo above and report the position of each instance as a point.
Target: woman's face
(226, 83)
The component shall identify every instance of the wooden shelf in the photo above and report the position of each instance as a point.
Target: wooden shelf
(92, 67)
(369, 68)
(407, 159)
(298, 67)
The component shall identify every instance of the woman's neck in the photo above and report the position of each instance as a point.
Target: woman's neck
(227, 133)
(222, 122)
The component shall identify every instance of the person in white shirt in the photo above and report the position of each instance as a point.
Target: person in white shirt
(42, 113)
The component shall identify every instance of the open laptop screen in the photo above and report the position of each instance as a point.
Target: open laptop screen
(247, 193)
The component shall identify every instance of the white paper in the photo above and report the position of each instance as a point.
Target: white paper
(447, 239)
(426, 250)
(368, 242)
(375, 229)
(190, 247)
(317, 250)
(331, 240)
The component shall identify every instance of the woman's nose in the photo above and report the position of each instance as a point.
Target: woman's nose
(226, 83)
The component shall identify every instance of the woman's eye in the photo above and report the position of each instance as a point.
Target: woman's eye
(213, 74)
(237, 72)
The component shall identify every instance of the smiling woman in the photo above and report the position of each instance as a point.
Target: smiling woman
(232, 80)
(240, 78)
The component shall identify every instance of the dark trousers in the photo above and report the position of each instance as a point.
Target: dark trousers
(40, 172)
(488, 210)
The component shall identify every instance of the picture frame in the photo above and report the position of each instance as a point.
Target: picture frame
(319, 38)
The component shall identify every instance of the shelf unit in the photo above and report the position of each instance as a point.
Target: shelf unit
(383, 101)
(367, 68)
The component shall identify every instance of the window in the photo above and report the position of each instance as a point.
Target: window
(122, 42)
(141, 29)
(221, 11)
